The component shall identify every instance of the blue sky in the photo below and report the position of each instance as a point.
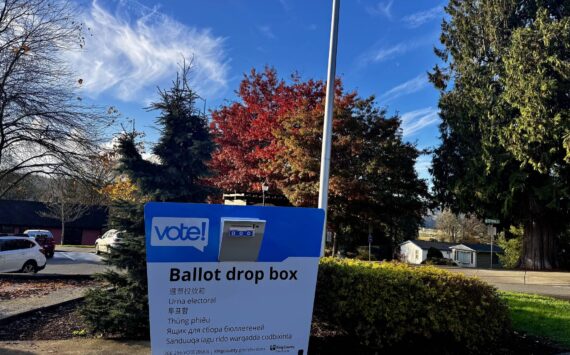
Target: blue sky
(385, 48)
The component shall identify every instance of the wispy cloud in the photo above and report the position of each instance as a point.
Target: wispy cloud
(266, 31)
(415, 121)
(135, 48)
(409, 87)
(285, 4)
(383, 8)
(381, 52)
(419, 18)
(385, 53)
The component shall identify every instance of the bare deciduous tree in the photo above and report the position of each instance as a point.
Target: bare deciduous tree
(461, 227)
(449, 223)
(68, 200)
(44, 126)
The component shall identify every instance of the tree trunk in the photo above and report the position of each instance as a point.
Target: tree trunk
(62, 224)
(538, 252)
(334, 245)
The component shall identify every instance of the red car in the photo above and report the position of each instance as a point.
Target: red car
(44, 238)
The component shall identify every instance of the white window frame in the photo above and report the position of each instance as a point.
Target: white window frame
(461, 257)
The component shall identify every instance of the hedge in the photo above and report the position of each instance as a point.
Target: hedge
(386, 304)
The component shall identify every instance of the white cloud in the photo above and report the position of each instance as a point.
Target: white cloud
(285, 4)
(381, 52)
(381, 9)
(415, 121)
(419, 18)
(266, 31)
(423, 163)
(384, 53)
(134, 48)
(409, 87)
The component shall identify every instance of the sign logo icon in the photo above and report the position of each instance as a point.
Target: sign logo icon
(175, 231)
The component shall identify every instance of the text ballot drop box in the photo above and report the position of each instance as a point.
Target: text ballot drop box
(231, 279)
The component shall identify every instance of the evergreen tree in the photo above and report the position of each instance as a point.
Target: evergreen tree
(182, 151)
(505, 117)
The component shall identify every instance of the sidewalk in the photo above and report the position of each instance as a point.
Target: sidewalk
(11, 308)
(78, 249)
(553, 284)
(517, 276)
(75, 346)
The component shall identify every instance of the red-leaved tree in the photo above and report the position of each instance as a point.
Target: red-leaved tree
(245, 130)
(273, 133)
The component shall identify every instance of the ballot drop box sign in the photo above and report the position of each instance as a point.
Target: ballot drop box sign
(231, 279)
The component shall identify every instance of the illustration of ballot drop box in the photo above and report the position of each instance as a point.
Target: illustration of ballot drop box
(240, 239)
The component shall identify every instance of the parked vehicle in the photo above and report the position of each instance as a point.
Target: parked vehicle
(44, 238)
(107, 241)
(21, 253)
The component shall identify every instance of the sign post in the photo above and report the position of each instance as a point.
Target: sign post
(369, 247)
(231, 279)
(492, 230)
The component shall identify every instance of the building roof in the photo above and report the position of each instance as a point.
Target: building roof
(256, 198)
(28, 214)
(426, 245)
(480, 248)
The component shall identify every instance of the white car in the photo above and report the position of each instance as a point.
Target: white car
(107, 241)
(21, 254)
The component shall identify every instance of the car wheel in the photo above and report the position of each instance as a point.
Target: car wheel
(49, 255)
(29, 267)
(97, 251)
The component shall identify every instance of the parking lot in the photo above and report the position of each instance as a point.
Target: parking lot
(65, 278)
(74, 261)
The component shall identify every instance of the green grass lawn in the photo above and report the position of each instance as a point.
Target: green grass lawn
(540, 316)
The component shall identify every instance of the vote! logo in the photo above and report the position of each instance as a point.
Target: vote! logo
(179, 232)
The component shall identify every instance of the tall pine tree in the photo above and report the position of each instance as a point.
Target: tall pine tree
(505, 118)
(181, 153)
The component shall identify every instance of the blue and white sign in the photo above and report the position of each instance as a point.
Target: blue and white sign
(182, 232)
(231, 279)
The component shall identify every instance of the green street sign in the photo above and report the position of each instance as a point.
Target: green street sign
(492, 221)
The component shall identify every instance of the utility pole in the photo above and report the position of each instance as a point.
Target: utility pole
(369, 241)
(328, 121)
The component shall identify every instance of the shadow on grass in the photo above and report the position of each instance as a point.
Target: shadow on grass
(540, 316)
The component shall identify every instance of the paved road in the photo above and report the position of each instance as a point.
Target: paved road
(74, 263)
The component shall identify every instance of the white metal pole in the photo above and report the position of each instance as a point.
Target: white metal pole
(328, 121)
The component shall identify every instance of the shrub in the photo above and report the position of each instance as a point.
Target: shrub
(512, 247)
(383, 304)
(434, 253)
(362, 253)
(439, 261)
